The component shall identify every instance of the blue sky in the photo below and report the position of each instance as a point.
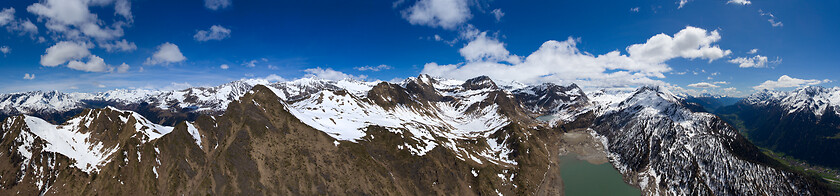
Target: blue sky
(691, 46)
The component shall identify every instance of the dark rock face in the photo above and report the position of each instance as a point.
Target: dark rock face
(481, 82)
(667, 149)
(550, 98)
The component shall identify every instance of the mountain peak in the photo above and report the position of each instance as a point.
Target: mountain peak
(480, 82)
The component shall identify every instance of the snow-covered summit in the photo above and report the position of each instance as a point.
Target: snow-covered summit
(810, 99)
(87, 139)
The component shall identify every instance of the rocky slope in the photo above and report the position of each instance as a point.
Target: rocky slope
(665, 148)
(421, 136)
(801, 123)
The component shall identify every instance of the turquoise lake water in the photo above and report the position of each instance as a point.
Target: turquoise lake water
(584, 178)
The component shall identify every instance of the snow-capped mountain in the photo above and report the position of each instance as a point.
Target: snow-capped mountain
(423, 135)
(811, 99)
(801, 123)
(39, 150)
(667, 149)
(200, 100)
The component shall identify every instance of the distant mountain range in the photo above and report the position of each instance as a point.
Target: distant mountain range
(803, 123)
(421, 136)
(712, 102)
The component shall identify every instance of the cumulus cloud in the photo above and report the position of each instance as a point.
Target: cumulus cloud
(372, 68)
(123, 68)
(216, 32)
(786, 81)
(721, 82)
(74, 20)
(123, 8)
(447, 14)
(753, 51)
(224, 66)
(28, 76)
(703, 85)
(7, 15)
(330, 74)
(121, 45)
(64, 51)
(484, 48)
(740, 2)
(24, 26)
(5, 49)
(757, 61)
(635, 9)
(691, 43)
(167, 53)
(498, 14)
(563, 62)
(94, 64)
(217, 4)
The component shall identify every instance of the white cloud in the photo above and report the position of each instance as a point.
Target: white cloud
(167, 53)
(216, 32)
(253, 63)
(741, 2)
(483, 48)
(772, 18)
(217, 4)
(175, 86)
(74, 20)
(682, 3)
(372, 68)
(28, 76)
(123, 68)
(757, 61)
(224, 66)
(703, 85)
(330, 74)
(121, 45)
(5, 49)
(274, 78)
(721, 82)
(7, 16)
(24, 26)
(787, 82)
(64, 51)
(691, 43)
(753, 51)
(635, 9)
(123, 8)
(94, 64)
(498, 14)
(563, 62)
(775, 23)
(447, 14)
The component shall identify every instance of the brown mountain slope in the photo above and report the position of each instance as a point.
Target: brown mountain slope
(258, 148)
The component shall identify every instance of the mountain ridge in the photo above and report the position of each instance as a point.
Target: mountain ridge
(490, 132)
